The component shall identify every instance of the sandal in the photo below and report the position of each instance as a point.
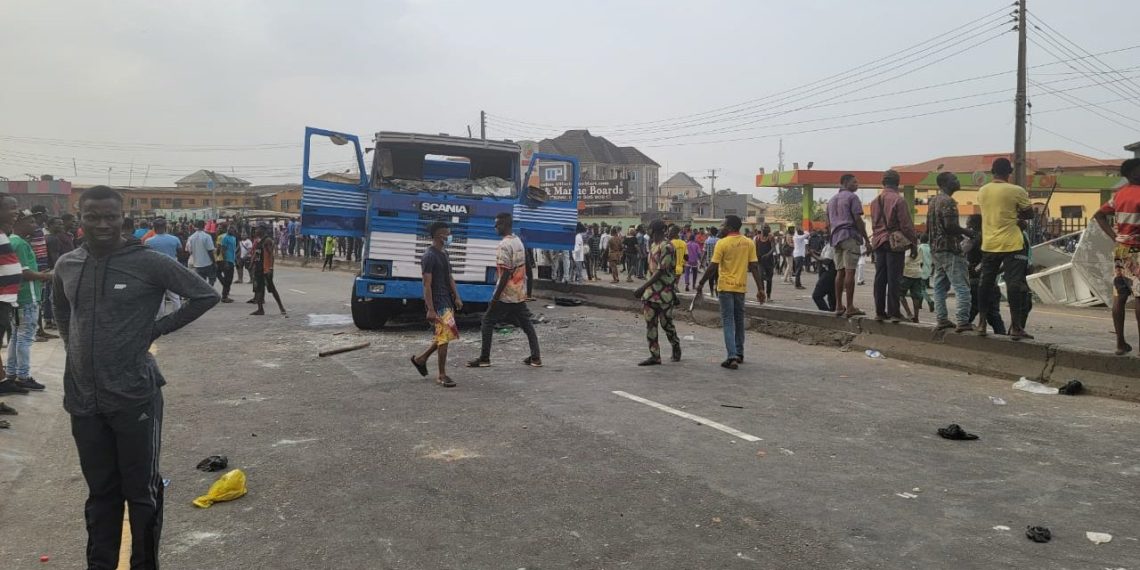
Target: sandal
(4, 424)
(1119, 352)
(533, 362)
(676, 353)
(446, 382)
(477, 363)
(729, 364)
(421, 368)
(6, 410)
(651, 361)
(854, 313)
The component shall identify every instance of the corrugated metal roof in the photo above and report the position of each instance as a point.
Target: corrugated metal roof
(204, 176)
(681, 179)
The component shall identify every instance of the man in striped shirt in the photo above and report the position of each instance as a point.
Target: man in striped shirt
(10, 278)
(1125, 206)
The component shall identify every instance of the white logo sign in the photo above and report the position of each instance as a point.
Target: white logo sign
(443, 208)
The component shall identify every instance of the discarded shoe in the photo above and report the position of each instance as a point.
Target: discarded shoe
(213, 463)
(1038, 533)
(955, 431)
(567, 302)
(1071, 388)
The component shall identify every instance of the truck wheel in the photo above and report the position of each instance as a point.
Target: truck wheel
(371, 315)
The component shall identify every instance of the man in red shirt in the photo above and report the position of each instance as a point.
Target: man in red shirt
(1125, 205)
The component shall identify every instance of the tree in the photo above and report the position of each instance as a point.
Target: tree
(790, 201)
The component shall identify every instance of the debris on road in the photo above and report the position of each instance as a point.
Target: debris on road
(1027, 385)
(997, 401)
(955, 431)
(567, 302)
(787, 451)
(1038, 534)
(1098, 537)
(165, 483)
(227, 488)
(1071, 388)
(688, 337)
(873, 354)
(906, 495)
(761, 453)
(1001, 527)
(213, 463)
(732, 406)
(45, 558)
(343, 349)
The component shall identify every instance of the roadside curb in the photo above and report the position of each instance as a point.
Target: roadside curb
(1101, 372)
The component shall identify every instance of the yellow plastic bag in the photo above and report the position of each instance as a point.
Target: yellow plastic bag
(227, 488)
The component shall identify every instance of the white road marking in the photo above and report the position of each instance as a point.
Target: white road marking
(299, 292)
(715, 425)
(293, 441)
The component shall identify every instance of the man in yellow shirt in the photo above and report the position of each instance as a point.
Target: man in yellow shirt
(1003, 246)
(733, 259)
(680, 246)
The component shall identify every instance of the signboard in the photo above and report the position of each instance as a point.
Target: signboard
(588, 190)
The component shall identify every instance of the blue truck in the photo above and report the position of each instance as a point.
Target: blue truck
(417, 179)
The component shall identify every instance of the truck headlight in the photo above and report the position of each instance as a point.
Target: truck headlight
(377, 288)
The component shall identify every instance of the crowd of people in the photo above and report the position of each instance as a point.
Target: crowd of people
(111, 289)
(912, 270)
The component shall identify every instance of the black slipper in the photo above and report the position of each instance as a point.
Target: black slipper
(1038, 534)
(4, 424)
(729, 364)
(6, 410)
(421, 368)
(955, 431)
(677, 353)
(1122, 351)
(446, 382)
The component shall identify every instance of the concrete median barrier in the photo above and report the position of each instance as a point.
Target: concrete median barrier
(1102, 373)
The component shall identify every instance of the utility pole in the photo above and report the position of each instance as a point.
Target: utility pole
(712, 192)
(483, 125)
(1020, 100)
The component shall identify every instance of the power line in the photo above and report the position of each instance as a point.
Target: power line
(777, 104)
(1087, 105)
(1067, 51)
(1076, 142)
(847, 115)
(555, 129)
(836, 127)
(936, 39)
(1074, 44)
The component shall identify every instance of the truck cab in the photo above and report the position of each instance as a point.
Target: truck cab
(417, 179)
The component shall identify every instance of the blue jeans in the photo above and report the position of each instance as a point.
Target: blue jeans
(732, 319)
(950, 271)
(20, 347)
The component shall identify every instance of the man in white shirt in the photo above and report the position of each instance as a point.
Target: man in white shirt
(201, 247)
(603, 249)
(245, 248)
(578, 256)
(799, 252)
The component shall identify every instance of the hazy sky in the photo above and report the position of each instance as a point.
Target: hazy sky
(185, 85)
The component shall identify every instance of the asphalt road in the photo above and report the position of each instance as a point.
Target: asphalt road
(354, 461)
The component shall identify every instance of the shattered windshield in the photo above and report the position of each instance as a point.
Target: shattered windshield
(414, 168)
(487, 186)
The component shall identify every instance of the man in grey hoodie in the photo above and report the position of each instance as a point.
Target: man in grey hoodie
(106, 294)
